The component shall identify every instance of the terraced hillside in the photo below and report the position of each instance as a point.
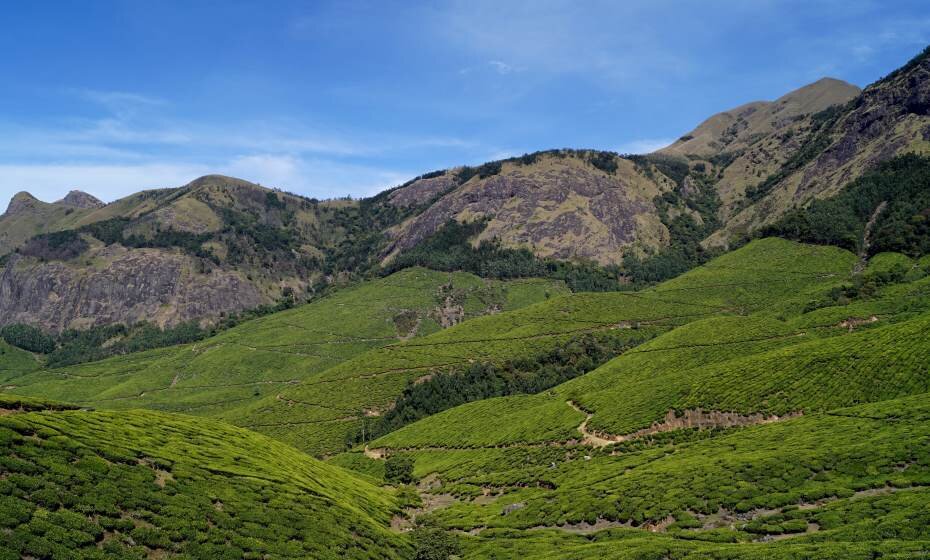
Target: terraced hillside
(741, 426)
(721, 430)
(261, 357)
(143, 484)
(772, 275)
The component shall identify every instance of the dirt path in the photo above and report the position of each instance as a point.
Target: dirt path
(588, 437)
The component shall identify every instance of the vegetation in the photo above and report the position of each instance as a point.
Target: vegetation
(28, 338)
(737, 335)
(225, 374)
(903, 225)
(79, 484)
(398, 469)
(59, 245)
(479, 381)
(433, 543)
(686, 232)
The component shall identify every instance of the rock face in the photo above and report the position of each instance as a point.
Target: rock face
(559, 206)
(79, 199)
(889, 118)
(20, 203)
(134, 285)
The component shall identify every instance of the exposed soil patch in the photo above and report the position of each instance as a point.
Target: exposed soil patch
(866, 239)
(694, 418)
(854, 322)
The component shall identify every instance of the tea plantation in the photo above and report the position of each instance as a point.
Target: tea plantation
(141, 484)
(261, 356)
(773, 403)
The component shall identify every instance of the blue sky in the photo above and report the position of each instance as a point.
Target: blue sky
(335, 98)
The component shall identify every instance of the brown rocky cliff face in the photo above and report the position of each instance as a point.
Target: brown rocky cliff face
(889, 118)
(21, 202)
(138, 285)
(80, 199)
(883, 122)
(560, 207)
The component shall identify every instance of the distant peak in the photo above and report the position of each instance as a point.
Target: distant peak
(831, 87)
(80, 199)
(218, 180)
(21, 202)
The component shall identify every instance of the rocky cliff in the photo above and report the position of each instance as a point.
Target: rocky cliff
(120, 286)
(558, 205)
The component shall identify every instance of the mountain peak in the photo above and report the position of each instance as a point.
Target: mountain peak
(80, 199)
(817, 96)
(217, 180)
(21, 202)
(733, 129)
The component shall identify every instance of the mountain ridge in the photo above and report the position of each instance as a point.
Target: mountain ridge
(647, 216)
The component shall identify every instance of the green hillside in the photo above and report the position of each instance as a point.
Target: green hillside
(771, 276)
(261, 356)
(778, 352)
(786, 454)
(140, 484)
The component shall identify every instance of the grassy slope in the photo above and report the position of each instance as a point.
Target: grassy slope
(858, 474)
(260, 357)
(733, 284)
(136, 484)
(832, 495)
(15, 362)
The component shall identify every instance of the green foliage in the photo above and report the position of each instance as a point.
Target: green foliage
(684, 250)
(108, 231)
(605, 161)
(238, 370)
(903, 226)
(432, 543)
(272, 201)
(143, 484)
(28, 338)
(59, 245)
(478, 381)
(97, 343)
(398, 469)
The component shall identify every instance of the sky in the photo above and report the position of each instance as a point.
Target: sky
(331, 99)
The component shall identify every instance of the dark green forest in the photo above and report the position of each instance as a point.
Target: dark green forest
(902, 183)
(480, 381)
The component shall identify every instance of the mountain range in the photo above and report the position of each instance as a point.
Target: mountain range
(713, 351)
(189, 247)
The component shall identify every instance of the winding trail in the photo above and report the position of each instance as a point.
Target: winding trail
(588, 437)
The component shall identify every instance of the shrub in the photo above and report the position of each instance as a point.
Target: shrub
(432, 543)
(398, 469)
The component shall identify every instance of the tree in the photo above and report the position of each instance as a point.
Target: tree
(398, 469)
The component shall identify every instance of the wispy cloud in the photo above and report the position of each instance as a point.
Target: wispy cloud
(501, 67)
(123, 151)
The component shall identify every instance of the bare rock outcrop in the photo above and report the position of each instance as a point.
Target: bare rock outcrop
(80, 199)
(126, 287)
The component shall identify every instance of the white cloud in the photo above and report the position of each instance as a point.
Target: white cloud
(643, 145)
(501, 67)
